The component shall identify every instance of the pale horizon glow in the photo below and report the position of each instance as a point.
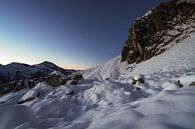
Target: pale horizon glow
(76, 67)
(14, 52)
(70, 33)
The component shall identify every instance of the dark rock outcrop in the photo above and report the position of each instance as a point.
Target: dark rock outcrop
(192, 84)
(29, 96)
(17, 76)
(158, 30)
(72, 82)
(13, 86)
(76, 76)
(178, 84)
(55, 79)
(18, 85)
(18, 71)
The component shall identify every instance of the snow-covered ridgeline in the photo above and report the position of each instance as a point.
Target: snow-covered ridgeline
(178, 58)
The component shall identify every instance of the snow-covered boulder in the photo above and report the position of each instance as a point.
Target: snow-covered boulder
(178, 84)
(72, 82)
(76, 76)
(55, 79)
(138, 79)
(187, 79)
(30, 95)
(171, 87)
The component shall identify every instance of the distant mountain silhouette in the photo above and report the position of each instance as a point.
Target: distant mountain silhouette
(19, 71)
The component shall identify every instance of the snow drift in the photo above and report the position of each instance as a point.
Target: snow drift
(108, 99)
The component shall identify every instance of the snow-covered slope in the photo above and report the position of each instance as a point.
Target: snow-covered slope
(191, 1)
(178, 58)
(104, 105)
(111, 69)
(114, 103)
(111, 96)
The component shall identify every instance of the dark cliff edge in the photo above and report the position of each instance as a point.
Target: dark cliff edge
(158, 30)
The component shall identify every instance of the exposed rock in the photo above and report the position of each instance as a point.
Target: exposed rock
(17, 85)
(76, 76)
(14, 86)
(54, 80)
(178, 84)
(30, 95)
(34, 81)
(158, 30)
(26, 100)
(66, 79)
(18, 71)
(72, 82)
(70, 93)
(57, 78)
(107, 79)
(192, 84)
(138, 79)
(138, 88)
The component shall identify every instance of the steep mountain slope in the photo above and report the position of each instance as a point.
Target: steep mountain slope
(159, 30)
(17, 71)
(162, 40)
(105, 104)
(181, 57)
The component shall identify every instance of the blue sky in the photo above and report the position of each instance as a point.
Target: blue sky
(70, 33)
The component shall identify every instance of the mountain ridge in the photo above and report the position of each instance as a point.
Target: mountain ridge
(18, 71)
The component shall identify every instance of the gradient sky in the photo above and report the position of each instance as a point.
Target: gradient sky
(70, 33)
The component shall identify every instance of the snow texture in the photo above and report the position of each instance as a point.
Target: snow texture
(107, 99)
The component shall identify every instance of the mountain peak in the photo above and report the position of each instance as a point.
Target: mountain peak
(46, 62)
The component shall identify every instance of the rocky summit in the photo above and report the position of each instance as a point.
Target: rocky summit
(158, 30)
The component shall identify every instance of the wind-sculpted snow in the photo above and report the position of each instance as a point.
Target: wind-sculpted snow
(109, 98)
(112, 97)
(104, 104)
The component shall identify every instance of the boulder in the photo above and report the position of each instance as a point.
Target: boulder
(192, 84)
(178, 84)
(72, 82)
(66, 79)
(34, 81)
(70, 93)
(138, 79)
(54, 80)
(76, 76)
(30, 95)
(138, 88)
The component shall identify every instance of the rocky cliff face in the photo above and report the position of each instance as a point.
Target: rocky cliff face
(159, 29)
